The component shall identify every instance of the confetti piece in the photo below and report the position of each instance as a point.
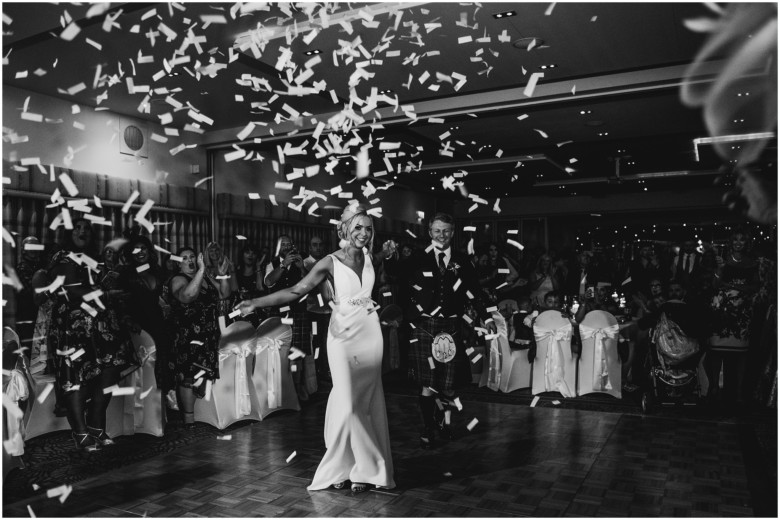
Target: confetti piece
(45, 393)
(427, 274)
(142, 268)
(518, 245)
(550, 8)
(529, 89)
(224, 437)
(469, 350)
(470, 426)
(123, 390)
(146, 392)
(208, 389)
(29, 509)
(627, 280)
(431, 363)
(458, 404)
(476, 358)
(556, 402)
(447, 474)
(535, 400)
(292, 456)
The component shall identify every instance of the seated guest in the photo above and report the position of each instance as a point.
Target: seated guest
(92, 348)
(552, 302)
(194, 308)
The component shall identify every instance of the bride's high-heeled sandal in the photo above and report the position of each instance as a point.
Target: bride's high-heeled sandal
(359, 487)
(340, 485)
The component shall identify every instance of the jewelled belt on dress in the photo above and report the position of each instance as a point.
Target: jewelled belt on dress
(357, 302)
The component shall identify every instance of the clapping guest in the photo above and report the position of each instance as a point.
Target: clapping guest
(195, 302)
(543, 280)
(218, 266)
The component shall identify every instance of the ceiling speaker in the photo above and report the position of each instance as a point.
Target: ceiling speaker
(133, 138)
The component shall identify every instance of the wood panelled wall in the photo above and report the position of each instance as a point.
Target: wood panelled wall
(180, 212)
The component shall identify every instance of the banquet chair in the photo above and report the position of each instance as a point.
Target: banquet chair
(515, 367)
(146, 405)
(390, 318)
(600, 367)
(554, 367)
(17, 394)
(494, 352)
(272, 386)
(230, 399)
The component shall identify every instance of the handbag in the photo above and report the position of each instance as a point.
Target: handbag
(672, 341)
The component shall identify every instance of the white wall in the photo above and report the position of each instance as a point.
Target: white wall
(100, 137)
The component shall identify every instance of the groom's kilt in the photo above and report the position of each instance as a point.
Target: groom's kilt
(445, 376)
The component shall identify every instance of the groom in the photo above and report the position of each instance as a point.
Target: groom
(442, 282)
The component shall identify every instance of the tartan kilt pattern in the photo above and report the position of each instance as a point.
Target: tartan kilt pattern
(445, 376)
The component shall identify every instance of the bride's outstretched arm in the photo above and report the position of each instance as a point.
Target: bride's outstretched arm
(318, 273)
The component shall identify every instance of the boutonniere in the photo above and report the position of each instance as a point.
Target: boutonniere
(453, 267)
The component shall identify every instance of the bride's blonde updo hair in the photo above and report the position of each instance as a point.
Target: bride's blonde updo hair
(347, 223)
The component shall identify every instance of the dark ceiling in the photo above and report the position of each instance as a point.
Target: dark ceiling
(606, 118)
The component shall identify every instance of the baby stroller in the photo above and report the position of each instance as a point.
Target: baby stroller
(673, 362)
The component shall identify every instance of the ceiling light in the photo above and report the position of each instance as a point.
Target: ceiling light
(602, 134)
(313, 51)
(505, 14)
(386, 91)
(528, 43)
(585, 112)
(549, 66)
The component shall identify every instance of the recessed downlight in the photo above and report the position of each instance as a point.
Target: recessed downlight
(548, 66)
(505, 14)
(312, 52)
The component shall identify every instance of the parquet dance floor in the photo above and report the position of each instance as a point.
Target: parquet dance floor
(517, 461)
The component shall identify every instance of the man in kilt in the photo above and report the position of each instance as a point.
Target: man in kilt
(443, 281)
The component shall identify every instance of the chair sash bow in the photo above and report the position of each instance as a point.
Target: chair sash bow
(600, 366)
(243, 403)
(554, 361)
(273, 368)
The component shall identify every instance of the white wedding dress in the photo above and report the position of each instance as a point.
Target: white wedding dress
(356, 434)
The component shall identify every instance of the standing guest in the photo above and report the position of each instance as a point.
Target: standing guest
(318, 310)
(219, 265)
(26, 307)
(249, 275)
(543, 280)
(447, 281)
(686, 263)
(85, 326)
(497, 273)
(356, 432)
(143, 282)
(736, 282)
(285, 270)
(578, 277)
(645, 268)
(195, 301)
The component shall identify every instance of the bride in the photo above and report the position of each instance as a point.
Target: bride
(356, 433)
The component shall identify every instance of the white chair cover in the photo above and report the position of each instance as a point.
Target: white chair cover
(230, 400)
(147, 404)
(515, 367)
(272, 384)
(390, 319)
(600, 368)
(491, 368)
(554, 368)
(508, 308)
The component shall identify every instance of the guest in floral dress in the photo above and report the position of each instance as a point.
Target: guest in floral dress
(92, 348)
(736, 282)
(194, 309)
